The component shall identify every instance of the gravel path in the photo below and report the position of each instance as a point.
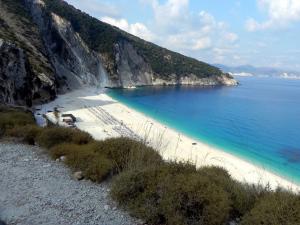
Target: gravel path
(35, 190)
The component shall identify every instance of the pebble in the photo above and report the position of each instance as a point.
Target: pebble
(78, 175)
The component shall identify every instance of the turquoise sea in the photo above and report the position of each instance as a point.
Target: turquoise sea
(259, 120)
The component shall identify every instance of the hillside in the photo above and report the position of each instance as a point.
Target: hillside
(48, 46)
(101, 37)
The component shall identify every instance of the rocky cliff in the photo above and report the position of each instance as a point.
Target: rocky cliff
(26, 75)
(16, 76)
(48, 46)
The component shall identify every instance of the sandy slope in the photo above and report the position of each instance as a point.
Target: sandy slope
(104, 117)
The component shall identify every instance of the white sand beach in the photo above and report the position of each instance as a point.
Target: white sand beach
(103, 117)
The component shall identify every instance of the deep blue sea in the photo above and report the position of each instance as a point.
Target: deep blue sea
(259, 120)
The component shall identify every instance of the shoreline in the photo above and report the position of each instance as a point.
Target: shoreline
(103, 117)
(249, 159)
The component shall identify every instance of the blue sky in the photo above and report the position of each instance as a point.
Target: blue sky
(231, 32)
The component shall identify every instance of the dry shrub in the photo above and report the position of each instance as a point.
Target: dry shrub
(278, 208)
(193, 199)
(243, 196)
(50, 137)
(98, 159)
(99, 169)
(126, 153)
(173, 194)
(27, 134)
(95, 166)
(11, 118)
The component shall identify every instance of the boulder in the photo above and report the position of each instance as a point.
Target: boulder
(78, 175)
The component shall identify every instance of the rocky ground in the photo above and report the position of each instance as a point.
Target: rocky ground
(35, 190)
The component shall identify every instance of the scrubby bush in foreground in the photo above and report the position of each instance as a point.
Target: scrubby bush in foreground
(27, 134)
(174, 194)
(279, 208)
(50, 137)
(94, 165)
(98, 159)
(243, 196)
(127, 153)
(180, 194)
(10, 118)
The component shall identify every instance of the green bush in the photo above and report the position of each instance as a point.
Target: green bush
(126, 153)
(242, 196)
(192, 199)
(50, 137)
(27, 134)
(95, 166)
(137, 191)
(173, 194)
(10, 118)
(279, 208)
(111, 156)
(78, 156)
(99, 169)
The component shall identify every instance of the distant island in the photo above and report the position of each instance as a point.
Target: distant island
(249, 70)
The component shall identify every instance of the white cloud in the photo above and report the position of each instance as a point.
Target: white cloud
(120, 23)
(172, 9)
(137, 29)
(186, 42)
(252, 25)
(280, 14)
(232, 37)
(185, 31)
(202, 43)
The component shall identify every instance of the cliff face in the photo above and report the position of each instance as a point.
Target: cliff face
(49, 47)
(132, 70)
(77, 65)
(74, 63)
(26, 74)
(15, 75)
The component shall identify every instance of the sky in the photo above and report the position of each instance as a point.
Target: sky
(263, 33)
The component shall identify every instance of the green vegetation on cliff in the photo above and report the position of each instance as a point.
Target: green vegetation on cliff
(158, 192)
(102, 37)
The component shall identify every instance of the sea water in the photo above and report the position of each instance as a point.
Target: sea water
(259, 120)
